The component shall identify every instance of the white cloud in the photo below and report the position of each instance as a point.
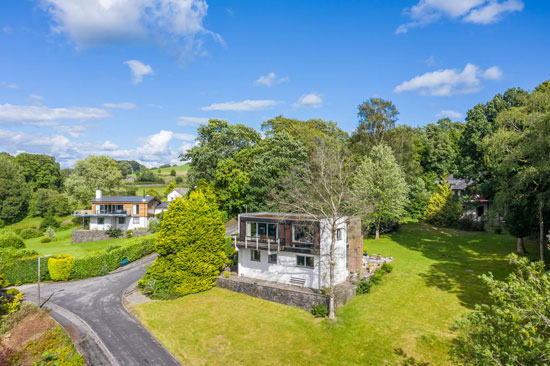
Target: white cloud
(309, 100)
(31, 113)
(449, 113)
(9, 85)
(72, 130)
(36, 99)
(108, 145)
(472, 11)
(430, 61)
(139, 70)
(122, 105)
(493, 73)
(449, 81)
(270, 79)
(97, 22)
(191, 121)
(245, 105)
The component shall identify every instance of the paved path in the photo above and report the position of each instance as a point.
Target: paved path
(92, 312)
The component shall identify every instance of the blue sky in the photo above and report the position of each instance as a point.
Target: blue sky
(133, 78)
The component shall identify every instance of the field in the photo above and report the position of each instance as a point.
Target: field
(434, 281)
(181, 170)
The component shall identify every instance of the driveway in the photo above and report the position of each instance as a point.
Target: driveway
(93, 313)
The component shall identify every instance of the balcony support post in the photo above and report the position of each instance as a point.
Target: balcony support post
(257, 239)
(246, 242)
(268, 246)
(278, 244)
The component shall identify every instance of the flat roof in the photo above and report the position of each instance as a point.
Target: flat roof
(123, 199)
(280, 216)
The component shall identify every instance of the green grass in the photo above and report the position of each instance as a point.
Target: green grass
(34, 222)
(431, 285)
(181, 170)
(63, 245)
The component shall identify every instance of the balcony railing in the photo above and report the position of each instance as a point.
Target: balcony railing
(270, 244)
(102, 213)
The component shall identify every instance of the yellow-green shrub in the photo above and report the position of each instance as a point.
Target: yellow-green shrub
(60, 267)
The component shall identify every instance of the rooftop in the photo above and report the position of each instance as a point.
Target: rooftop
(123, 199)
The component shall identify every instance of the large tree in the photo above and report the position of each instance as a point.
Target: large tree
(380, 188)
(440, 150)
(91, 173)
(14, 191)
(40, 171)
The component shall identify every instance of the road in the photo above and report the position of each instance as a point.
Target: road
(93, 313)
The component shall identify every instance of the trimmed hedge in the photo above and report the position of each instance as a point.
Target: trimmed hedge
(24, 270)
(60, 267)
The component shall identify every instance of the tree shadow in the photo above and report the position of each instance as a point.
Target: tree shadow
(459, 259)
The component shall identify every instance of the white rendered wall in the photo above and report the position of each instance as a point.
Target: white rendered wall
(282, 271)
(340, 267)
(172, 196)
(128, 223)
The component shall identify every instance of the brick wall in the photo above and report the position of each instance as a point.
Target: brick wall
(355, 244)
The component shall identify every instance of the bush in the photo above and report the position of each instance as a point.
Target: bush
(386, 227)
(320, 311)
(226, 274)
(60, 267)
(45, 240)
(443, 208)
(29, 233)
(12, 291)
(50, 233)
(112, 247)
(8, 239)
(386, 267)
(363, 287)
(179, 180)
(48, 221)
(114, 232)
(468, 224)
(377, 277)
(498, 230)
(23, 270)
(154, 225)
(129, 234)
(173, 173)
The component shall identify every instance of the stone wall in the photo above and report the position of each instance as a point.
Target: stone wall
(83, 236)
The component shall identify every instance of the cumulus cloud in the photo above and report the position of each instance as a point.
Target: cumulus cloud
(472, 11)
(122, 105)
(449, 113)
(269, 80)
(309, 100)
(99, 22)
(449, 81)
(34, 114)
(191, 121)
(7, 84)
(72, 130)
(245, 105)
(139, 70)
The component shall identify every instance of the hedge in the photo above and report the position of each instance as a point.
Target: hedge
(24, 270)
(60, 267)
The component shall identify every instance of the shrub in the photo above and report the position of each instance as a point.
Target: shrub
(227, 274)
(12, 291)
(173, 173)
(469, 224)
(387, 267)
(8, 239)
(45, 240)
(112, 247)
(60, 267)
(443, 208)
(29, 233)
(114, 232)
(50, 233)
(129, 234)
(320, 311)
(377, 277)
(23, 270)
(48, 221)
(363, 287)
(179, 180)
(154, 225)
(365, 250)
(498, 230)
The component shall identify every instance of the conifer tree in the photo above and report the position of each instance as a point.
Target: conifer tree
(443, 209)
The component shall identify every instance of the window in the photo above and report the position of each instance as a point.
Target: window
(303, 261)
(262, 230)
(272, 258)
(121, 220)
(136, 209)
(255, 255)
(339, 234)
(480, 211)
(100, 221)
(136, 220)
(302, 234)
(355, 252)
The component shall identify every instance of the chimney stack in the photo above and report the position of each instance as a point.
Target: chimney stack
(98, 194)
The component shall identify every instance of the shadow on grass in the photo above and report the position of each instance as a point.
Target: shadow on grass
(460, 258)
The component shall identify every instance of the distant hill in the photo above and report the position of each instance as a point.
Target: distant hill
(130, 166)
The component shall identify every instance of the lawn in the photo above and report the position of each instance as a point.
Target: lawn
(34, 222)
(181, 170)
(435, 280)
(63, 245)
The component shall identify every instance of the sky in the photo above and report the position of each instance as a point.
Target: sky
(133, 79)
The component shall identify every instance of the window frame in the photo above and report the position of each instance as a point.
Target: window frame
(253, 226)
(123, 219)
(270, 256)
(136, 209)
(252, 256)
(135, 220)
(294, 226)
(305, 261)
(339, 234)
(101, 220)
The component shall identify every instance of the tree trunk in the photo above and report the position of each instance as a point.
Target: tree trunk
(541, 232)
(521, 247)
(377, 236)
(331, 275)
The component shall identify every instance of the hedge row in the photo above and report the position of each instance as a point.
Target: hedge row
(97, 264)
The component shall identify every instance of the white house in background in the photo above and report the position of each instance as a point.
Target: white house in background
(294, 249)
(477, 206)
(177, 192)
(123, 212)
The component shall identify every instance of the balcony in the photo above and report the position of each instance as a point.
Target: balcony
(272, 244)
(102, 213)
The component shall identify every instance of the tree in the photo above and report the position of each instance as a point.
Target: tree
(170, 188)
(380, 188)
(49, 202)
(405, 144)
(190, 243)
(91, 173)
(513, 328)
(440, 146)
(443, 209)
(40, 171)
(125, 168)
(376, 117)
(14, 191)
(322, 192)
(173, 172)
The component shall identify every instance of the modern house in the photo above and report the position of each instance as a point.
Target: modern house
(177, 192)
(293, 249)
(124, 212)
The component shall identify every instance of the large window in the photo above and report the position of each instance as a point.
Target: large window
(255, 255)
(262, 230)
(136, 209)
(302, 234)
(136, 220)
(121, 220)
(100, 221)
(304, 261)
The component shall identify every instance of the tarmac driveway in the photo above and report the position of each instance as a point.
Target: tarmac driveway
(93, 313)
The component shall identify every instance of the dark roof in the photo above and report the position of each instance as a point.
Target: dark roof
(458, 184)
(163, 205)
(181, 191)
(127, 199)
